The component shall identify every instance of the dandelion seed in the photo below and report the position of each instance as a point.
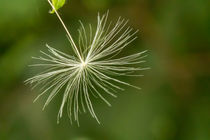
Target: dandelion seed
(94, 66)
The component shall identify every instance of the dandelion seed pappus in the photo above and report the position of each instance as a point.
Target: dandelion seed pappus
(94, 69)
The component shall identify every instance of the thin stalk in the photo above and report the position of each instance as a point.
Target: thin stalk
(69, 35)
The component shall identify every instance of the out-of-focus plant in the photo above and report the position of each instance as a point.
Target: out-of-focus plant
(57, 5)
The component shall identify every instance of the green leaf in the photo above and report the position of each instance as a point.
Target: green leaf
(57, 4)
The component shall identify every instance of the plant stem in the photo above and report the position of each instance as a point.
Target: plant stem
(69, 35)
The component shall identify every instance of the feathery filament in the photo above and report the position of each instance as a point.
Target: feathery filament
(94, 66)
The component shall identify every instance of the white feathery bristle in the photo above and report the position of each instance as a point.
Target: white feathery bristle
(94, 66)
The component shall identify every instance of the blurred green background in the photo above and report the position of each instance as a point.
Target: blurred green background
(174, 103)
